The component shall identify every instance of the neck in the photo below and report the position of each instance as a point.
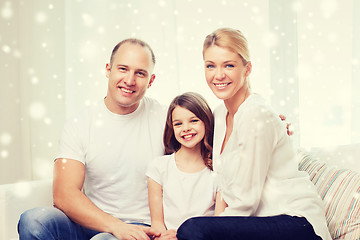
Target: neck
(232, 104)
(118, 109)
(189, 159)
(190, 154)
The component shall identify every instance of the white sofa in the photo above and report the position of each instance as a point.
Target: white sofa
(339, 188)
(16, 198)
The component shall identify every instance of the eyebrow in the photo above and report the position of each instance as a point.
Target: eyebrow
(228, 61)
(138, 69)
(192, 117)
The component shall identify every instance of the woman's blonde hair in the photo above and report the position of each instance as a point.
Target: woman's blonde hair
(229, 38)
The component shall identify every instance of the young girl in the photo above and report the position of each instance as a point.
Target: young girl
(181, 184)
(264, 195)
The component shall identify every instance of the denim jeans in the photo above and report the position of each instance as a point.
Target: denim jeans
(49, 223)
(281, 227)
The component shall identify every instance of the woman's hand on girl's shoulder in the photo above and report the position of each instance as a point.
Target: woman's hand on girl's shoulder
(289, 128)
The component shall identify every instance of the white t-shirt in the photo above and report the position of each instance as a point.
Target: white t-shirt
(185, 195)
(257, 170)
(116, 150)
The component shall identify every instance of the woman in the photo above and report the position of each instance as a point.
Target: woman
(264, 196)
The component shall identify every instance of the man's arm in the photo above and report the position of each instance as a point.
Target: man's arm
(69, 176)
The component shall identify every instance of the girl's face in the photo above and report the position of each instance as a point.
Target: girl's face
(224, 72)
(189, 130)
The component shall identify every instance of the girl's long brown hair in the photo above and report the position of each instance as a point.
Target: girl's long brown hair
(196, 104)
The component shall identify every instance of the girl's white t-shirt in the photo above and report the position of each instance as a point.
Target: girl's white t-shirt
(185, 195)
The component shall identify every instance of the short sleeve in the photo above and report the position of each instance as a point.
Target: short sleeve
(72, 141)
(156, 169)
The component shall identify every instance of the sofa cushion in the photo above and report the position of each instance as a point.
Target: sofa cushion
(340, 191)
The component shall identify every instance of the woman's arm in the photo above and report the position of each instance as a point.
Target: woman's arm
(220, 204)
(156, 205)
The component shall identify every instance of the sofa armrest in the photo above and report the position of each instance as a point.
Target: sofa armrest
(18, 197)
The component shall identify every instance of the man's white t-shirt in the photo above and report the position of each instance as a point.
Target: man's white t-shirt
(185, 195)
(116, 150)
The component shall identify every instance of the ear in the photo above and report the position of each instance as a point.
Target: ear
(248, 68)
(152, 78)
(107, 69)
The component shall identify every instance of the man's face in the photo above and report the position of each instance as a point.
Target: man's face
(129, 74)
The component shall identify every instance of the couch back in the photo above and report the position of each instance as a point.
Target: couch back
(340, 190)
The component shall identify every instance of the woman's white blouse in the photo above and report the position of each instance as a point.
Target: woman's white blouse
(257, 170)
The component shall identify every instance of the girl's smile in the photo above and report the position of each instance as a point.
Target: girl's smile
(189, 130)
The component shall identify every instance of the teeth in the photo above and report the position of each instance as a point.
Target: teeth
(188, 136)
(220, 84)
(126, 90)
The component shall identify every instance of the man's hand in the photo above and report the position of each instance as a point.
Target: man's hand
(130, 232)
(289, 128)
(167, 235)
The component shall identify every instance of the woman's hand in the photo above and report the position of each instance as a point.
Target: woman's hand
(289, 128)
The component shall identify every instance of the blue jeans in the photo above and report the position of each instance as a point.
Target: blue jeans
(48, 223)
(281, 227)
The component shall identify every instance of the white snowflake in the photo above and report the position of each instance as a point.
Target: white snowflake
(34, 80)
(41, 17)
(6, 11)
(4, 153)
(6, 49)
(87, 19)
(5, 138)
(37, 110)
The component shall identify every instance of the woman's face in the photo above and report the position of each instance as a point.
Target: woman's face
(225, 73)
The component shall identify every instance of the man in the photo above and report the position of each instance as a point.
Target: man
(99, 174)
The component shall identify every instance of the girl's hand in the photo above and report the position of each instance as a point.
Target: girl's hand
(131, 232)
(167, 235)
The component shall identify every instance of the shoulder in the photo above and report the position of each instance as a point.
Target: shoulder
(257, 117)
(86, 114)
(154, 108)
(152, 103)
(158, 166)
(220, 111)
(161, 160)
(256, 109)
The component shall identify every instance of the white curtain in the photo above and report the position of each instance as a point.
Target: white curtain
(305, 56)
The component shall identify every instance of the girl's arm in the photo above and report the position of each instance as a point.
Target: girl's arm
(156, 205)
(220, 204)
